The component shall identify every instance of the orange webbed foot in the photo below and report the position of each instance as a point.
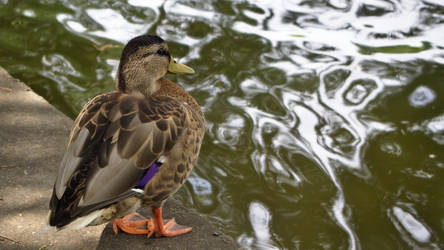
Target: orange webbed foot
(170, 228)
(133, 223)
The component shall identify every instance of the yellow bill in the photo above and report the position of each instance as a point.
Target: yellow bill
(178, 68)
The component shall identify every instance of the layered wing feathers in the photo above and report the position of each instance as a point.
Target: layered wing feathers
(114, 139)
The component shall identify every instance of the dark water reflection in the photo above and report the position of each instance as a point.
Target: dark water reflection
(325, 118)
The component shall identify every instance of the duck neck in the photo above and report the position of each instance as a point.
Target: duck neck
(136, 81)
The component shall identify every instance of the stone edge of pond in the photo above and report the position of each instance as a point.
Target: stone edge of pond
(32, 138)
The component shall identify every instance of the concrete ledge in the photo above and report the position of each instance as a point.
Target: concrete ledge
(32, 138)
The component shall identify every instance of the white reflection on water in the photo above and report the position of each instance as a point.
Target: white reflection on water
(435, 128)
(153, 4)
(203, 189)
(422, 96)
(70, 23)
(75, 26)
(115, 65)
(323, 156)
(200, 186)
(181, 9)
(59, 69)
(401, 16)
(260, 219)
(29, 13)
(406, 222)
(230, 131)
(115, 26)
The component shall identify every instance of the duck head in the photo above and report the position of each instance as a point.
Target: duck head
(146, 59)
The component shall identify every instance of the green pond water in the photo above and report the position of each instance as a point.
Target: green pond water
(325, 118)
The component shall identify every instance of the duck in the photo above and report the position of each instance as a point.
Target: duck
(130, 148)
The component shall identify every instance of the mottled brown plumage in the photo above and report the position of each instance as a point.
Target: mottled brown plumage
(118, 135)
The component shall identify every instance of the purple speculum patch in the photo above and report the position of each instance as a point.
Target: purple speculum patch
(152, 170)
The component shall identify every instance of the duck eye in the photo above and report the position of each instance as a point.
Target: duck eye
(162, 52)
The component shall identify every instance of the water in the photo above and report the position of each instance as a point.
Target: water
(325, 118)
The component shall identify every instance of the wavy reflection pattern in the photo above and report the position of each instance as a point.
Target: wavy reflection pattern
(325, 118)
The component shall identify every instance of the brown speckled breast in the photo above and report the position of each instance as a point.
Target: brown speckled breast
(181, 159)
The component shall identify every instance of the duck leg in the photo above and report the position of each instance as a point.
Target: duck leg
(171, 228)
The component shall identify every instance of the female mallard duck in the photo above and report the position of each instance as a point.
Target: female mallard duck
(130, 148)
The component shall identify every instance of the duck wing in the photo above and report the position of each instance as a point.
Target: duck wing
(113, 142)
